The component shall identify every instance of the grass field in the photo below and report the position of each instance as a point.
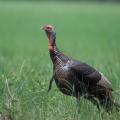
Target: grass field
(89, 32)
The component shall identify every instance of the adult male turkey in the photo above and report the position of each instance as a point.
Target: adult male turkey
(77, 79)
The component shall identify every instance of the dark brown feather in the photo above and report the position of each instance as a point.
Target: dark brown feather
(75, 78)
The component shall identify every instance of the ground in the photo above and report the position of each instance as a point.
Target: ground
(89, 32)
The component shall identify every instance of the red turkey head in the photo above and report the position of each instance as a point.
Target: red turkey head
(49, 29)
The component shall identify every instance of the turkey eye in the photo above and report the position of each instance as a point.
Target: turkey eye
(48, 28)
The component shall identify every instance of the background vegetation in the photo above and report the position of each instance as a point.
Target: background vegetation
(86, 31)
(67, 0)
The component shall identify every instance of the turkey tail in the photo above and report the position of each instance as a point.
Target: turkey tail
(110, 103)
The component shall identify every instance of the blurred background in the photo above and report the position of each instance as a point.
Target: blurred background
(86, 30)
(65, 0)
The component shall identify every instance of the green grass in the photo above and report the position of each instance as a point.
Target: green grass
(89, 32)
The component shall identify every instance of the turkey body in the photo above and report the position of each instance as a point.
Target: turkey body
(78, 79)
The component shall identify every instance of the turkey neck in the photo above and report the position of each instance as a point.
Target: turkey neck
(57, 57)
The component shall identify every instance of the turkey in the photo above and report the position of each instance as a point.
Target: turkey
(75, 78)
